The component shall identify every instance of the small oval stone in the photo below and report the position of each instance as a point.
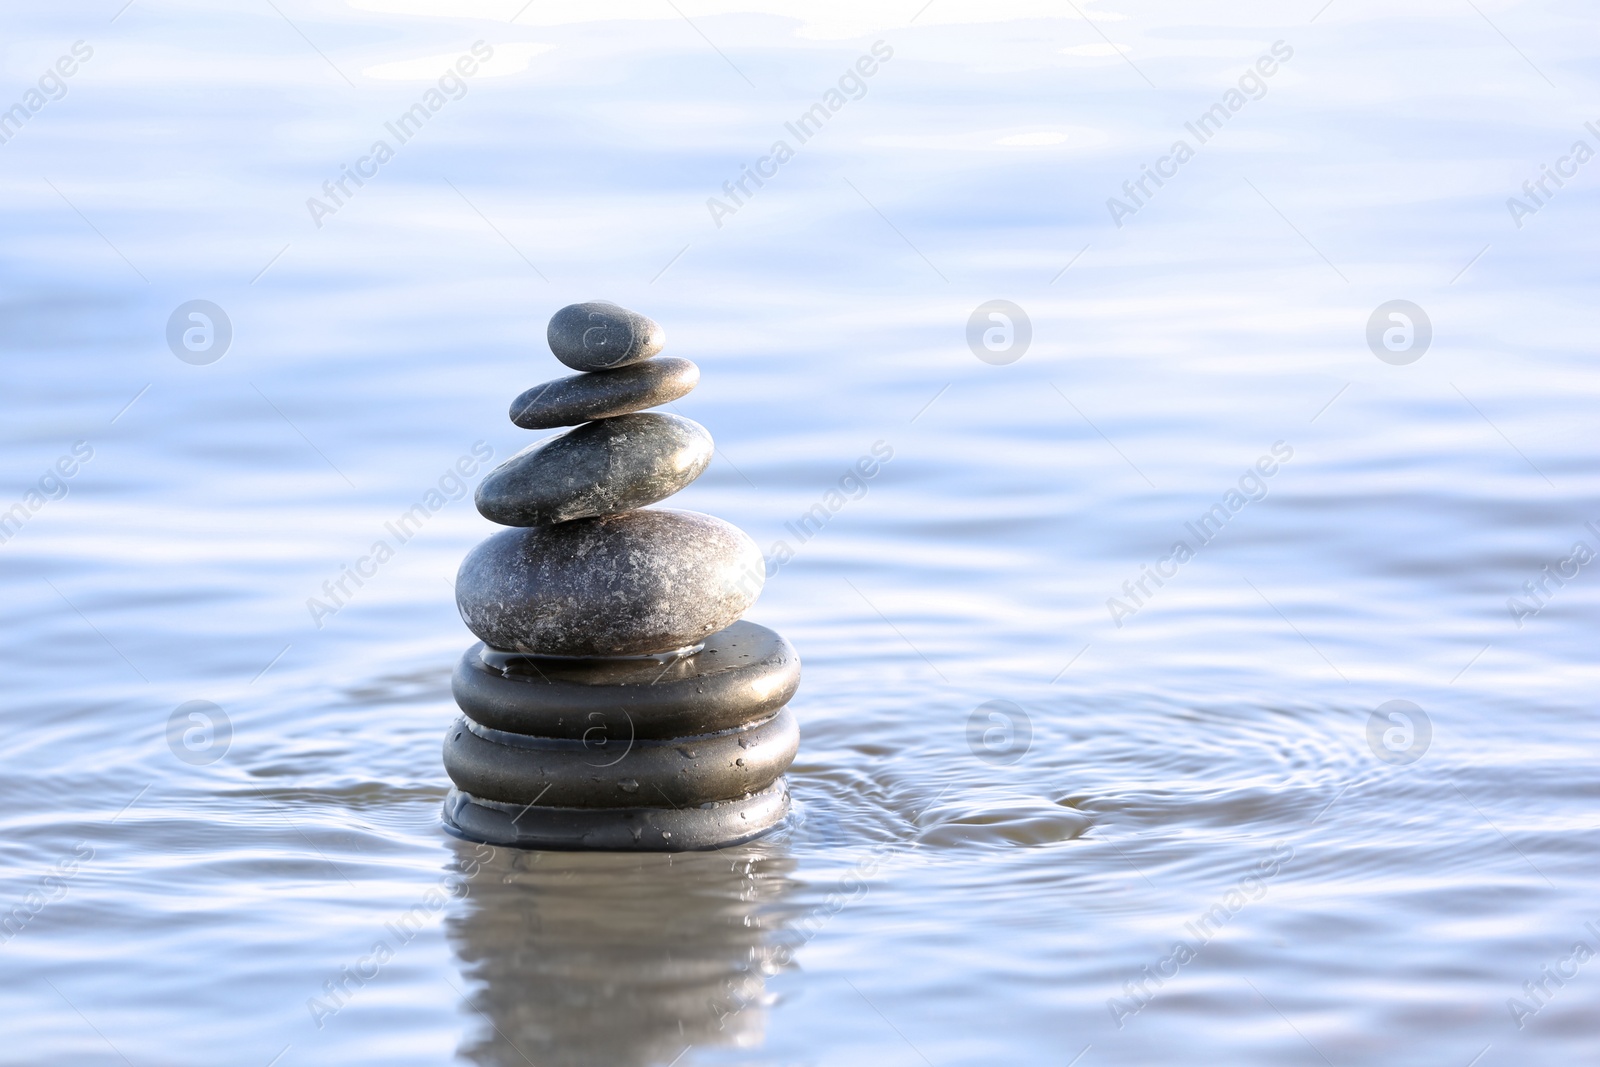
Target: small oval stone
(600, 468)
(598, 335)
(604, 394)
(618, 585)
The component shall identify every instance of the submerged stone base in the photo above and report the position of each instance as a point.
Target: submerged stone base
(707, 826)
(661, 754)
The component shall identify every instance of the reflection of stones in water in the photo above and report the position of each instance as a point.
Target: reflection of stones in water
(618, 960)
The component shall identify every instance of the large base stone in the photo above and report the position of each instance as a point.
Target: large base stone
(707, 826)
(638, 582)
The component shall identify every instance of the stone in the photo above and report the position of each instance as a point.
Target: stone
(616, 700)
(600, 468)
(598, 335)
(745, 672)
(629, 584)
(642, 829)
(677, 772)
(604, 394)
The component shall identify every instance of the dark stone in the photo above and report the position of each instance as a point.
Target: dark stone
(745, 672)
(612, 772)
(600, 468)
(643, 829)
(602, 336)
(604, 394)
(618, 585)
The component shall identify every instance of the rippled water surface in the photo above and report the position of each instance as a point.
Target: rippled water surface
(1050, 809)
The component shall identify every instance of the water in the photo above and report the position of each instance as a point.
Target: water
(1188, 838)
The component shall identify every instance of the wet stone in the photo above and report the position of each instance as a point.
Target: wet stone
(642, 829)
(600, 468)
(602, 336)
(628, 584)
(743, 673)
(617, 772)
(604, 394)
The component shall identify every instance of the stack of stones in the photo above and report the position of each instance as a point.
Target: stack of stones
(616, 700)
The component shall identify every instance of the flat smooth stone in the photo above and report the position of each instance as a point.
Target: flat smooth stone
(679, 772)
(619, 585)
(600, 468)
(717, 825)
(604, 394)
(745, 672)
(599, 335)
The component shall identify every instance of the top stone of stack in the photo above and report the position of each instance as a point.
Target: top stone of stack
(602, 336)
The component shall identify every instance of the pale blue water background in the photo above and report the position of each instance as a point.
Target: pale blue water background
(988, 912)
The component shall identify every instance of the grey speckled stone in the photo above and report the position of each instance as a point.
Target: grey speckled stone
(603, 394)
(600, 468)
(619, 585)
(601, 336)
